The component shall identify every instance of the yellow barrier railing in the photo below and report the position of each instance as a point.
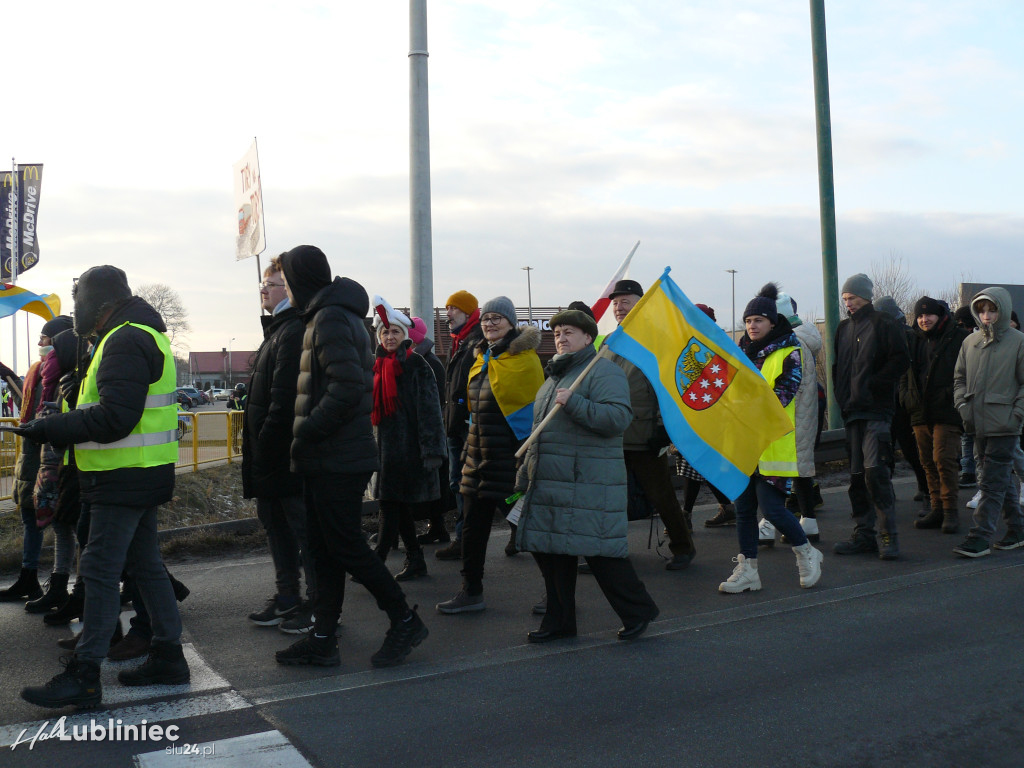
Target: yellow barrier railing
(203, 438)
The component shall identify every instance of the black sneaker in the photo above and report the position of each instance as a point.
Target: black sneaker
(165, 665)
(856, 545)
(77, 686)
(968, 480)
(300, 622)
(1011, 540)
(400, 640)
(275, 611)
(973, 546)
(313, 650)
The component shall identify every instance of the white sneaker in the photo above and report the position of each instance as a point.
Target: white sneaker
(766, 533)
(975, 500)
(744, 577)
(810, 526)
(808, 564)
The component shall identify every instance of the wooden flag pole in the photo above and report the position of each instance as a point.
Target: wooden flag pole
(604, 353)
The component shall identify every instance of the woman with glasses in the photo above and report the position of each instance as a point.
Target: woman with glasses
(503, 383)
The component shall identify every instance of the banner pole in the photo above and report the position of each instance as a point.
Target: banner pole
(15, 206)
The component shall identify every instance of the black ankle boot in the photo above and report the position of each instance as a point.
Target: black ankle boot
(78, 685)
(72, 608)
(165, 665)
(180, 590)
(56, 595)
(70, 643)
(415, 566)
(25, 588)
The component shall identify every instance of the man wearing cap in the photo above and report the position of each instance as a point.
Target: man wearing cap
(645, 439)
(463, 312)
(870, 356)
(124, 429)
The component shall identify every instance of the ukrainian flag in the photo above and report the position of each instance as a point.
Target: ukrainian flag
(13, 298)
(719, 411)
(514, 381)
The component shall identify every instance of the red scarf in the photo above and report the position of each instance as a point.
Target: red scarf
(471, 322)
(386, 370)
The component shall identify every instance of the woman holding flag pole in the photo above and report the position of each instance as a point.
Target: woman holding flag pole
(772, 346)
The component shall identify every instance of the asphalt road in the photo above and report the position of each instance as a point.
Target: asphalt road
(911, 663)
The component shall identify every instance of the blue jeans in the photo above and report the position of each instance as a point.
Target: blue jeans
(119, 538)
(32, 544)
(967, 453)
(455, 446)
(995, 457)
(772, 502)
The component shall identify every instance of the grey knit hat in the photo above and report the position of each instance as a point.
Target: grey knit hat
(859, 285)
(501, 305)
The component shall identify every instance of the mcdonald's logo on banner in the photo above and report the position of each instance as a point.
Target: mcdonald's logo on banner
(20, 224)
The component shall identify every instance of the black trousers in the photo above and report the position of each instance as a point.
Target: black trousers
(616, 577)
(334, 507)
(477, 518)
(397, 518)
(653, 474)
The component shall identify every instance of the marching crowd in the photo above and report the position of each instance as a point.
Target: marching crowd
(328, 409)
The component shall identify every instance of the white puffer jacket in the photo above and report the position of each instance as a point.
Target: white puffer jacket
(807, 399)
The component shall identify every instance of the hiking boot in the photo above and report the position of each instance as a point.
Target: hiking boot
(415, 567)
(765, 533)
(300, 622)
(77, 686)
(950, 521)
(131, 647)
(726, 515)
(1012, 540)
(72, 608)
(856, 545)
(452, 552)
(973, 546)
(888, 546)
(313, 650)
(401, 638)
(56, 595)
(975, 501)
(808, 564)
(968, 480)
(463, 602)
(25, 588)
(70, 643)
(434, 535)
(744, 577)
(933, 519)
(165, 665)
(277, 609)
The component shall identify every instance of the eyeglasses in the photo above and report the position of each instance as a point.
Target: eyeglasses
(492, 319)
(266, 285)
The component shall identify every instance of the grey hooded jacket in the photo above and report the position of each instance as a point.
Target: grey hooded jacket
(988, 383)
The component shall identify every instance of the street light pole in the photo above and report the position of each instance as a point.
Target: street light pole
(231, 370)
(529, 293)
(732, 328)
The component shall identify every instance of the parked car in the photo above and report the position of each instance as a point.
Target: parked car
(220, 394)
(192, 394)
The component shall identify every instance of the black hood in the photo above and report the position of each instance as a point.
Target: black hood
(65, 346)
(307, 271)
(342, 292)
(96, 289)
(135, 310)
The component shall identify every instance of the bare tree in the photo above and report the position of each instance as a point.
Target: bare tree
(168, 303)
(893, 278)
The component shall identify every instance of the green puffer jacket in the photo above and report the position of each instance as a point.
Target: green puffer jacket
(575, 473)
(988, 382)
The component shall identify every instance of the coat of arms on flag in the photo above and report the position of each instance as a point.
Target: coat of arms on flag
(702, 375)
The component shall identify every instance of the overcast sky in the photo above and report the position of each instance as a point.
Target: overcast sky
(561, 133)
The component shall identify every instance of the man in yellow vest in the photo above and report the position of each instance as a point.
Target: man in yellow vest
(124, 429)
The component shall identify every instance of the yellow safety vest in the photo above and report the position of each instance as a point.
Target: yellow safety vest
(154, 440)
(779, 458)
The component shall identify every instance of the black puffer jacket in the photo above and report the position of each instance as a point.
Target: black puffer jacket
(871, 355)
(926, 390)
(27, 465)
(411, 434)
(269, 414)
(131, 362)
(489, 461)
(332, 430)
(456, 409)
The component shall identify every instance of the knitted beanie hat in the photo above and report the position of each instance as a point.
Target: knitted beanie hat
(463, 300)
(859, 285)
(501, 305)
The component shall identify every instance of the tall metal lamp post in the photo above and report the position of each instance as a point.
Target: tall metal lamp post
(732, 328)
(231, 370)
(529, 293)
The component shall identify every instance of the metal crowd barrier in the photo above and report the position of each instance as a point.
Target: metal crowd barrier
(203, 438)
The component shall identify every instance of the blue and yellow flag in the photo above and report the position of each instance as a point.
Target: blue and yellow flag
(719, 411)
(13, 298)
(514, 381)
